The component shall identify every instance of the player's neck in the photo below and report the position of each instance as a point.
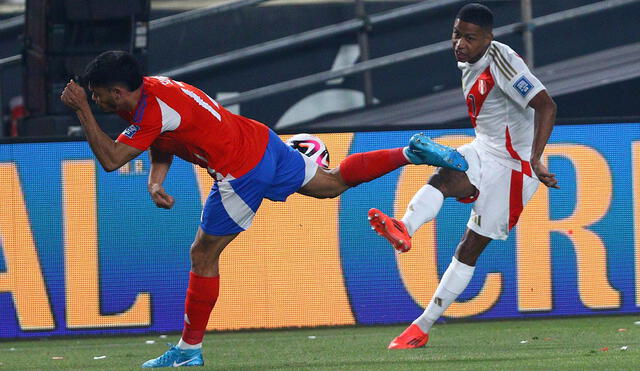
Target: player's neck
(479, 57)
(132, 100)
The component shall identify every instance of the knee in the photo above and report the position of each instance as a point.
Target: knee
(452, 183)
(466, 253)
(330, 193)
(197, 254)
(202, 256)
(337, 186)
(322, 196)
(439, 182)
(324, 193)
(329, 184)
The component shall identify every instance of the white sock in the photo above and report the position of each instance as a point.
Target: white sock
(453, 283)
(424, 206)
(183, 345)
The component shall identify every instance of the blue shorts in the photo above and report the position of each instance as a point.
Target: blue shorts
(232, 204)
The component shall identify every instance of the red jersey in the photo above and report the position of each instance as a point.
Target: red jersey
(178, 118)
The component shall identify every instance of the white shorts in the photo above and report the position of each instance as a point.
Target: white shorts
(503, 192)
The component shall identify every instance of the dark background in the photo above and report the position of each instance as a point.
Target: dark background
(176, 45)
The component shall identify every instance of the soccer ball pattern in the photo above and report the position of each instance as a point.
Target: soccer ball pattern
(311, 146)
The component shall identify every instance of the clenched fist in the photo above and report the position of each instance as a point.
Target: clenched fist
(74, 96)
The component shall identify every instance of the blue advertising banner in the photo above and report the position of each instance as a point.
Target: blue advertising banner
(571, 253)
(83, 251)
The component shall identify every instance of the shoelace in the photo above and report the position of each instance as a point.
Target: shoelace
(168, 354)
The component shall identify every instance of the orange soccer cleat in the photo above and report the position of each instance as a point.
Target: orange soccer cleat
(410, 338)
(391, 229)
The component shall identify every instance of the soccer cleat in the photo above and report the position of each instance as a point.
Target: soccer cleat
(176, 357)
(410, 338)
(391, 229)
(423, 150)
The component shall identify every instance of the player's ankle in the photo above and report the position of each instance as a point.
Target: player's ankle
(184, 345)
(424, 324)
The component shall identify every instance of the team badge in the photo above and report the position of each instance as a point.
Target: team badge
(482, 87)
(131, 131)
(523, 86)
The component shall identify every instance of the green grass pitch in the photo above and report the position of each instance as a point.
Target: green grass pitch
(596, 343)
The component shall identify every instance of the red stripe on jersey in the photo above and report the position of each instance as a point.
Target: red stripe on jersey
(515, 198)
(478, 94)
(526, 167)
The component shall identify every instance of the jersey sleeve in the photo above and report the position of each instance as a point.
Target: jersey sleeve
(513, 76)
(143, 131)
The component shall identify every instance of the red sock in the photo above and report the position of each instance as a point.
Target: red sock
(201, 297)
(366, 166)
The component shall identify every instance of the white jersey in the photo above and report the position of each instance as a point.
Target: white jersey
(498, 88)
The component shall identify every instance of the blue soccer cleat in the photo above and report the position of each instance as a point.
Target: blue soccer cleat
(176, 357)
(423, 150)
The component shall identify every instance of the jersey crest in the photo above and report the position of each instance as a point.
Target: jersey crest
(478, 94)
(482, 87)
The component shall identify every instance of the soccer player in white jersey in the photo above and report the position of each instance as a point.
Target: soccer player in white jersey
(513, 116)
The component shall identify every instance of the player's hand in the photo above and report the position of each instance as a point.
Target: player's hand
(544, 175)
(160, 197)
(74, 96)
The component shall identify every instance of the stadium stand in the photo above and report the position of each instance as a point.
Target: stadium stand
(265, 71)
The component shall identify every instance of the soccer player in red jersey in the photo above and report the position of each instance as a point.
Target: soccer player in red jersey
(513, 116)
(248, 161)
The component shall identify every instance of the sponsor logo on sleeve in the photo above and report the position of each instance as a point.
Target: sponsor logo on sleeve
(131, 131)
(523, 86)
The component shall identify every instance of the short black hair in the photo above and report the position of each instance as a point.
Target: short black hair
(111, 68)
(477, 14)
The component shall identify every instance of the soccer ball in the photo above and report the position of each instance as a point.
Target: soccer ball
(311, 146)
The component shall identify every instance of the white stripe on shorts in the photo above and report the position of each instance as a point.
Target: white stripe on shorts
(237, 209)
(310, 168)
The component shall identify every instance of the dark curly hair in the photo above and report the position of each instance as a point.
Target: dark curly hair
(111, 68)
(477, 14)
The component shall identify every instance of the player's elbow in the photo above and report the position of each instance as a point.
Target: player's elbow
(110, 166)
(109, 169)
(114, 161)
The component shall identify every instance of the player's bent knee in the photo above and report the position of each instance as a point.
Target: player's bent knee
(199, 253)
(441, 182)
(321, 193)
(325, 184)
(331, 192)
(467, 257)
(471, 247)
(467, 254)
(452, 183)
(206, 249)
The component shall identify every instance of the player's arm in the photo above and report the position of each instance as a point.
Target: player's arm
(111, 155)
(160, 164)
(545, 117)
(514, 78)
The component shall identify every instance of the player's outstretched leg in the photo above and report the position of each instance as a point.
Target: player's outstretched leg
(392, 229)
(423, 150)
(176, 357)
(412, 337)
